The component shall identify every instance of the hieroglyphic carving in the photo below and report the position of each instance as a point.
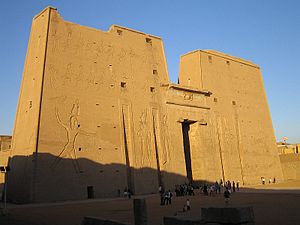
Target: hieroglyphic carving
(53, 76)
(73, 130)
(144, 139)
(166, 140)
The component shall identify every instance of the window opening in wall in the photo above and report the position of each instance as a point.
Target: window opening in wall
(79, 149)
(119, 32)
(233, 103)
(155, 72)
(228, 63)
(149, 41)
(90, 192)
(123, 84)
(215, 100)
(152, 89)
(210, 58)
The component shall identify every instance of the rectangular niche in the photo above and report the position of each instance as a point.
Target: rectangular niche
(119, 32)
(152, 89)
(149, 41)
(123, 84)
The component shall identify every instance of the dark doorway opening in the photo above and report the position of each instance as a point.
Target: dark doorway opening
(187, 150)
(90, 192)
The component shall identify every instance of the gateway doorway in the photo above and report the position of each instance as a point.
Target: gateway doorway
(187, 149)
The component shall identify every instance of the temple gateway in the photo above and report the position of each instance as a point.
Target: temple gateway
(97, 113)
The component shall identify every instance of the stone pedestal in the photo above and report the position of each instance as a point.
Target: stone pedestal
(175, 220)
(100, 221)
(140, 211)
(227, 215)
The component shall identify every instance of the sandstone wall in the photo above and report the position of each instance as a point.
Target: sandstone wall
(290, 166)
(239, 112)
(26, 126)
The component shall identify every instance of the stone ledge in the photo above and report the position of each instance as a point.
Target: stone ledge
(175, 220)
(100, 221)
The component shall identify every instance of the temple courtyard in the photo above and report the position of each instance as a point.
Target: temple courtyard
(273, 204)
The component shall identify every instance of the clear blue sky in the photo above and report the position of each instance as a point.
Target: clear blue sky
(265, 32)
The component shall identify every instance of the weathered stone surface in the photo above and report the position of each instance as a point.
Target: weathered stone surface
(227, 215)
(99, 221)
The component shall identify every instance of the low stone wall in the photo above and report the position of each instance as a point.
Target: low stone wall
(290, 164)
(175, 220)
(100, 221)
(227, 215)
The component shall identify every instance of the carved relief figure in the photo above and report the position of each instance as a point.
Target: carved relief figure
(144, 139)
(166, 140)
(73, 130)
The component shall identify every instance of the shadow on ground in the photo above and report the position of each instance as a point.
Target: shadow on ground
(108, 181)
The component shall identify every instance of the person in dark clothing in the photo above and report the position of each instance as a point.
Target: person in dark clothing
(233, 186)
(226, 195)
(205, 189)
(129, 193)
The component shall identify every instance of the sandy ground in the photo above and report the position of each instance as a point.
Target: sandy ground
(273, 204)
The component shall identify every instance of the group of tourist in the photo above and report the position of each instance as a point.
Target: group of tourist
(217, 187)
(165, 196)
(207, 189)
(185, 189)
(263, 180)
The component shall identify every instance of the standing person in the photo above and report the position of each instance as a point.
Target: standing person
(170, 195)
(229, 186)
(176, 191)
(274, 180)
(188, 204)
(166, 199)
(159, 189)
(226, 195)
(205, 191)
(129, 193)
(125, 192)
(216, 187)
(219, 188)
(270, 181)
(263, 180)
(162, 198)
(233, 186)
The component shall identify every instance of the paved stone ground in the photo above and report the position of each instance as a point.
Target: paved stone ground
(273, 205)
